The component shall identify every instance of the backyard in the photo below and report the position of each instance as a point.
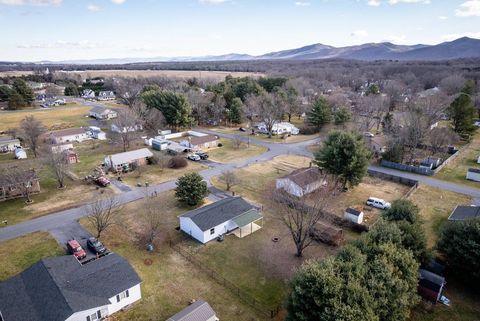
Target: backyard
(168, 282)
(435, 207)
(456, 171)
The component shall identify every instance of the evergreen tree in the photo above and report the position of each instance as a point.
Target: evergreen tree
(21, 87)
(71, 90)
(191, 189)
(345, 156)
(173, 106)
(462, 110)
(15, 101)
(342, 116)
(234, 113)
(321, 113)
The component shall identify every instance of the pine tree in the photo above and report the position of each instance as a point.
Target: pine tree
(321, 113)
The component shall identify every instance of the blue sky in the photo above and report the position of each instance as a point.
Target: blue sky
(34, 30)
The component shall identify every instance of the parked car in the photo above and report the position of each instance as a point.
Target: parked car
(203, 156)
(74, 247)
(96, 245)
(193, 157)
(102, 181)
(368, 134)
(242, 129)
(378, 203)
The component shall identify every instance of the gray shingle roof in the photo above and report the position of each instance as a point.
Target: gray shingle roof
(214, 214)
(304, 176)
(197, 311)
(56, 287)
(353, 211)
(463, 212)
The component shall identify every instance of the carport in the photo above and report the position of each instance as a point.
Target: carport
(248, 223)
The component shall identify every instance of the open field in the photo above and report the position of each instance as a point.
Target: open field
(15, 73)
(456, 171)
(229, 152)
(435, 207)
(170, 282)
(216, 75)
(66, 116)
(18, 254)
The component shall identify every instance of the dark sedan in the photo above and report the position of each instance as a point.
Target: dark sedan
(96, 246)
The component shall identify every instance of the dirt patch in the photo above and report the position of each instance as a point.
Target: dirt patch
(148, 262)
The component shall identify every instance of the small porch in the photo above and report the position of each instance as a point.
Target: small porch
(247, 223)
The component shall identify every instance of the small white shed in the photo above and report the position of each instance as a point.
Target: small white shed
(473, 174)
(20, 153)
(353, 215)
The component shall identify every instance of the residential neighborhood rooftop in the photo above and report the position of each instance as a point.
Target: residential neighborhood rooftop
(197, 311)
(56, 287)
(68, 132)
(464, 212)
(216, 213)
(304, 176)
(196, 140)
(125, 157)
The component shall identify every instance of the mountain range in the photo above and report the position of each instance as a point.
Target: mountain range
(460, 48)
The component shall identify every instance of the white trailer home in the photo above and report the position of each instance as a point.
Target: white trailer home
(473, 174)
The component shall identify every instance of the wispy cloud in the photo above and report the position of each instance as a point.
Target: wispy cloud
(302, 4)
(396, 39)
(359, 33)
(31, 2)
(442, 17)
(93, 8)
(118, 1)
(84, 44)
(376, 3)
(213, 1)
(468, 9)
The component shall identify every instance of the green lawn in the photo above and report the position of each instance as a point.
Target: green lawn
(229, 152)
(18, 254)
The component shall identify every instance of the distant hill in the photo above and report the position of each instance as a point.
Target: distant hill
(460, 48)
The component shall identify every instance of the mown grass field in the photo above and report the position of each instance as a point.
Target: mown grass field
(20, 253)
(229, 152)
(68, 116)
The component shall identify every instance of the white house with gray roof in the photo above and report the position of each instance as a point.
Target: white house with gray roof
(229, 215)
(62, 289)
(102, 113)
(8, 144)
(197, 311)
(119, 161)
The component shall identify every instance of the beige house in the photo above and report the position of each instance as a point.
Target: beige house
(69, 135)
(301, 182)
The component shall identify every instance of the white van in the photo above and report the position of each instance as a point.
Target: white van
(378, 203)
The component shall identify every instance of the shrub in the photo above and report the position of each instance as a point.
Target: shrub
(191, 189)
(177, 162)
(308, 130)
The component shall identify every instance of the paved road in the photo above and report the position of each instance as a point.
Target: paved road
(56, 221)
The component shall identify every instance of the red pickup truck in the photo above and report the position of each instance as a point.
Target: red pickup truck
(75, 248)
(102, 181)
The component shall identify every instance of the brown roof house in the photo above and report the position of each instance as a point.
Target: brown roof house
(301, 182)
(69, 135)
(200, 142)
(18, 183)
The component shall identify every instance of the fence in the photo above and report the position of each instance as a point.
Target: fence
(397, 179)
(408, 168)
(245, 297)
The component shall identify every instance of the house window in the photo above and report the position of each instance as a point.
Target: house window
(212, 231)
(94, 316)
(122, 296)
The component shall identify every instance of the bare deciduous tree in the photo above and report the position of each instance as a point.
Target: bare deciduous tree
(270, 108)
(127, 124)
(104, 213)
(237, 142)
(152, 221)
(229, 178)
(301, 216)
(30, 130)
(20, 176)
(57, 160)
(441, 137)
